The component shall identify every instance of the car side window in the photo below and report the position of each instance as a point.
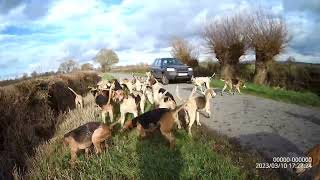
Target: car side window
(155, 63)
(159, 62)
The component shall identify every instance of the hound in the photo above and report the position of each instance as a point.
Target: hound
(196, 104)
(84, 136)
(140, 99)
(151, 120)
(159, 92)
(103, 84)
(149, 94)
(103, 100)
(233, 84)
(127, 104)
(137, 83)
(78, 99)
(149, 75)
(128, 84)
(200, 81)
(313, 171)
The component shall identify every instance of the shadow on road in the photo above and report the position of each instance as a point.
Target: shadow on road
(270, 144)
(310, 118)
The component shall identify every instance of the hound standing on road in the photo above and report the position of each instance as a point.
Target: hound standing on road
(202, 81)
(233, 84)
(196, 104)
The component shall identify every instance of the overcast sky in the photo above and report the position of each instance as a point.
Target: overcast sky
(39, 34)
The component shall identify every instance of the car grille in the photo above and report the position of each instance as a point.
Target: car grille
(183, 69)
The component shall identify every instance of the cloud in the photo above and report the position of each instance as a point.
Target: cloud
(30, 8)
(6, 6)
(39, 34)
(312, 6)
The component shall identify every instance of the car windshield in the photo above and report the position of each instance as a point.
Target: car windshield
(171, 61)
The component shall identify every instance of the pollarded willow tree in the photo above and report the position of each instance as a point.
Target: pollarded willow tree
(185, 51)
(268, 36)
(225, 38)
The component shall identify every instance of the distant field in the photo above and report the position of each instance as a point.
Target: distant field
(289, 96)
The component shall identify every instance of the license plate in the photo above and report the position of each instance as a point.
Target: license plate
(182, 74)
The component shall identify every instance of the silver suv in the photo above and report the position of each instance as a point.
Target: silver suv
(168, 69)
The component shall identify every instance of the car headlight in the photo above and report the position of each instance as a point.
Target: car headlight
(190, 69)
(170, 69)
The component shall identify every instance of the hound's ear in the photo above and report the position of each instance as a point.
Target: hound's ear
(125, 94)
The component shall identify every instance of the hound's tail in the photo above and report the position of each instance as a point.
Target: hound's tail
(72, 91)
(184, 102)
(213, 75)
(177, 93)
(110, 92)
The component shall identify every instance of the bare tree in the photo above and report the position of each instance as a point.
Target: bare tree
(68, 66)
(34, 74)
(184, 51)
(25, 76)
(225, 38)
(106, 58)
(87, 66)
(268, 36)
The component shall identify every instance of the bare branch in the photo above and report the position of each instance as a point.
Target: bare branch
(184, 51)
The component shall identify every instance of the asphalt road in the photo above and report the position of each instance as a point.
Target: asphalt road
(271, 127)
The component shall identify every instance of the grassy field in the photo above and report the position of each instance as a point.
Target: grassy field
(202, 156)
(295, 97)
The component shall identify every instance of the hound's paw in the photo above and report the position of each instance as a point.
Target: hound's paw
(199, 124)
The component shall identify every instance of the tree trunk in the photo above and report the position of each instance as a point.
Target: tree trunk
(229, 71)
(261, 68)
(104, 68)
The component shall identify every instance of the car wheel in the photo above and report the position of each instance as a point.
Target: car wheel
(164, 79)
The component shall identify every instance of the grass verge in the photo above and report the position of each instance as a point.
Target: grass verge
(289, 96)
(107, 76)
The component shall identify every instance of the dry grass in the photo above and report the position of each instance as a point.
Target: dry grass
(30, 111)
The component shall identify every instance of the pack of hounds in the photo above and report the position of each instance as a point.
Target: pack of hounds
(131, 97)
